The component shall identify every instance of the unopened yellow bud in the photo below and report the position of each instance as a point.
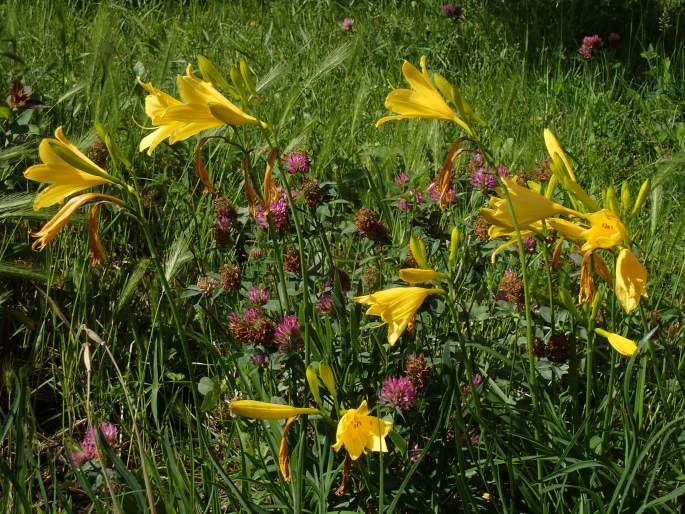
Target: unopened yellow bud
(610, 200)
(641, 197)
(248, 78)
(454, 245)
(326, 374)
(263, 410)
(625, 196)
(418, 250)
(211, 73)
(313, 381)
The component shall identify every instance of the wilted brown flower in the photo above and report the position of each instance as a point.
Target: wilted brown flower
(369, 226)
(231, 277)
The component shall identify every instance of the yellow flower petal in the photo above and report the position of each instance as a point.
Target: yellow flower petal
(358, 432)
(263, 410)
(631, 280)
(554, 148)
(606, 231)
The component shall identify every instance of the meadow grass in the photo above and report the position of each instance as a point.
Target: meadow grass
(133, 342)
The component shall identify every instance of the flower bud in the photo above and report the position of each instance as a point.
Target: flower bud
(313, 382)
(641, 197)
(263, 410)
(326, 374)
(454, 244)
(610, 201)
(625, 196)
(418, 250)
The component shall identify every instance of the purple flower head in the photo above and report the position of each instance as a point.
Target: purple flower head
(297, 162)
(490, 182)
(288, 334)
(477, 160)
(347, 24)
(414, 451)
(477, 380)
(109, 431)
(403, 205)
(222, 224)
(279, 210)
(260, 218)
(593, 41)
(257, 296)
(475, 437)
(478, 179)
(324, 304)
(418, 197)
(256, 253)
(585, 52)
(402, 178)
(252, 314)
(80, 457)
(398, 392)
(434, 193)
(449, 10)
(502, 171)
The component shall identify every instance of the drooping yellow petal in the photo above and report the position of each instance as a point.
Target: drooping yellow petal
(423, 100)
(359, 432)
(631, 280)
(264, 410)
(283, 450)
(622, 345)
(48, 231)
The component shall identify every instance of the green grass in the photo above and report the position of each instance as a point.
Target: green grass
(619, 116)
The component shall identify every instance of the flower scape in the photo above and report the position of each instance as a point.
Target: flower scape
(456, 313)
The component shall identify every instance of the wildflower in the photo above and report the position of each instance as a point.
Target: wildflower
(252, 327)
(359, 432)
(291, 262)
(66, 169)
(98, 152)
(201, 108)
(256, 253)
(398, 392)
(231, 277)
(480, 228)
(622, 345)
(288, 334)
(401, 178)
(416, 370)
(257, 296)
(423, 100)
(585, 52)
(206, 285)
(342, 277)
(324, 304)
(631, 280)
(528, 206)
(510, 288)
(435, 194)
(263, 410)
(371, 277)
(50, 230)
(529, 243)
(297, 162)
(369, 226)
(593, 41)
(606, 230)
(397, 307)
(347, 24)
(419, 275)
(451, 10)
(312, 192)
(109, 432)
(418, 197)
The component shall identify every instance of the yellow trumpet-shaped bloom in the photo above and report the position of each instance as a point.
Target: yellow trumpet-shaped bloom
(606, 231)
(201, 107)
(528, 207)
(264, 410)
(631, 280)
(423, 100)
(359, 432)
(622, 345)
(397, 307)
(48, 231)
(65, 168)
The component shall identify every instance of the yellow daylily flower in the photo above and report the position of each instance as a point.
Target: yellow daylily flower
(201, 107)
(528, 206)
(420, 275)
(359, 432)
(65, 168)
(423, 100)
(606, 231)
(622, 345)
(264, 410)
(631, 280)
(397, 307)
(48, 231)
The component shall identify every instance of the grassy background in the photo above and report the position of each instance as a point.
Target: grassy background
(620, 116)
